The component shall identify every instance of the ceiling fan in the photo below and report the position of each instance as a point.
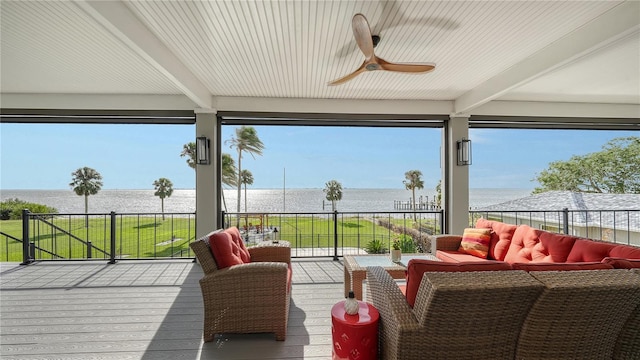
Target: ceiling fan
(366, 42)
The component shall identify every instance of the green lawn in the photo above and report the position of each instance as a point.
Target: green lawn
(152, 237)
(136, 237)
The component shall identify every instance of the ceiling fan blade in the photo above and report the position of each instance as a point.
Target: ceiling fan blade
(425, 67)
(344, 79)
(362, 34)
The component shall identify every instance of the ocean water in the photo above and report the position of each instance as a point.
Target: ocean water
(258, 200)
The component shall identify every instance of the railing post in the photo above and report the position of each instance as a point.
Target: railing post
(335, 235)
(25, 238)
(32, 250)
(565, 220)
(89, 247)
(112, 253)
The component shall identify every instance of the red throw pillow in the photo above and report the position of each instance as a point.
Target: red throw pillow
(225, 251)
(561, 266)
(475, 242)
(417, 267)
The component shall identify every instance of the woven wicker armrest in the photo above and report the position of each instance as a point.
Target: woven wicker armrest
(447, 242)
(397, 322)
(388, 298)
(204, 256)
(270, 253)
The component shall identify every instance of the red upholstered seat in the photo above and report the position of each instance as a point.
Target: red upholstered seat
(532, 266)
(417, 267)
(621, 263)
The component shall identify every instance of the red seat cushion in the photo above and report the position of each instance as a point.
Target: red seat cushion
(417, 267)
(237, 238)
(501, 235)
(620, 263)
(225, 251)
(533, 245)
(455, 256)
(561, 266)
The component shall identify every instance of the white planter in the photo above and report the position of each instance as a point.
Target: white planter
(396, 255)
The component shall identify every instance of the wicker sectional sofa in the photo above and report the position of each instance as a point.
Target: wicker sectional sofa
(582, 314)
(509, 295)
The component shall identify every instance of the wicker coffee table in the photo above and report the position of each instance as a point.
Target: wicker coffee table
(355, 269)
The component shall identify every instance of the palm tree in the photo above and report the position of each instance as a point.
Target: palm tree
(189, 150)
(229, 171)
(333, 189)
(164, 188)
(247, 179)
(413, 181)
(245, 140)
(86, 181)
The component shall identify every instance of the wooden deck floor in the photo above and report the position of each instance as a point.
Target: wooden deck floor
(148, 310)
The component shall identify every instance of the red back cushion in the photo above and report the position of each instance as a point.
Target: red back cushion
(619, 263)
(589, 250)
(501, 236)
(625, 251)
(561, 266)
(475, 242)
(237, 238)
(225, 251)
(417, 267)
(532, 245)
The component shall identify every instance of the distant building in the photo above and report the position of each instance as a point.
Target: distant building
(607, 217)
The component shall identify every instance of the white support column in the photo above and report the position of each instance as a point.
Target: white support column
(456, 191)
(206, 175)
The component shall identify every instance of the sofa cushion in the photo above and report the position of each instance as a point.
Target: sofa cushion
(237, 238)
(501, 235)
(225, 251)
(455, 256)
(531, 266)
(590, 250)
(417, 267)
(625, 251)
(620, 263)
(475, 242)
(533, 245)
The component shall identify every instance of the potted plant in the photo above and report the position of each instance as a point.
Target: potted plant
(396, 253)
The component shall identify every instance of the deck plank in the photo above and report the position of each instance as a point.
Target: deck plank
(148, 310)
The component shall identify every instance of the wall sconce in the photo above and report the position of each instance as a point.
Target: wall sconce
(202, 151)
(464, 152)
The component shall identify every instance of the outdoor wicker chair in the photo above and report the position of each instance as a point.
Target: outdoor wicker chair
(580, 315)
(246, 298)
(457, 315)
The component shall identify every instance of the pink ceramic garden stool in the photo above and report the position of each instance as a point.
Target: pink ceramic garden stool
(355, 337)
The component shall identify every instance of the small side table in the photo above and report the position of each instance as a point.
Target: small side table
(355, 336)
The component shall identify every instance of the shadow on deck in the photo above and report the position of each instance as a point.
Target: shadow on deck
(149, 310)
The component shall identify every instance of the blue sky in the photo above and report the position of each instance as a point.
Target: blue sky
(43, 156)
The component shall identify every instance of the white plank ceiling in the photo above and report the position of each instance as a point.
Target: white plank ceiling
(206, 52)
